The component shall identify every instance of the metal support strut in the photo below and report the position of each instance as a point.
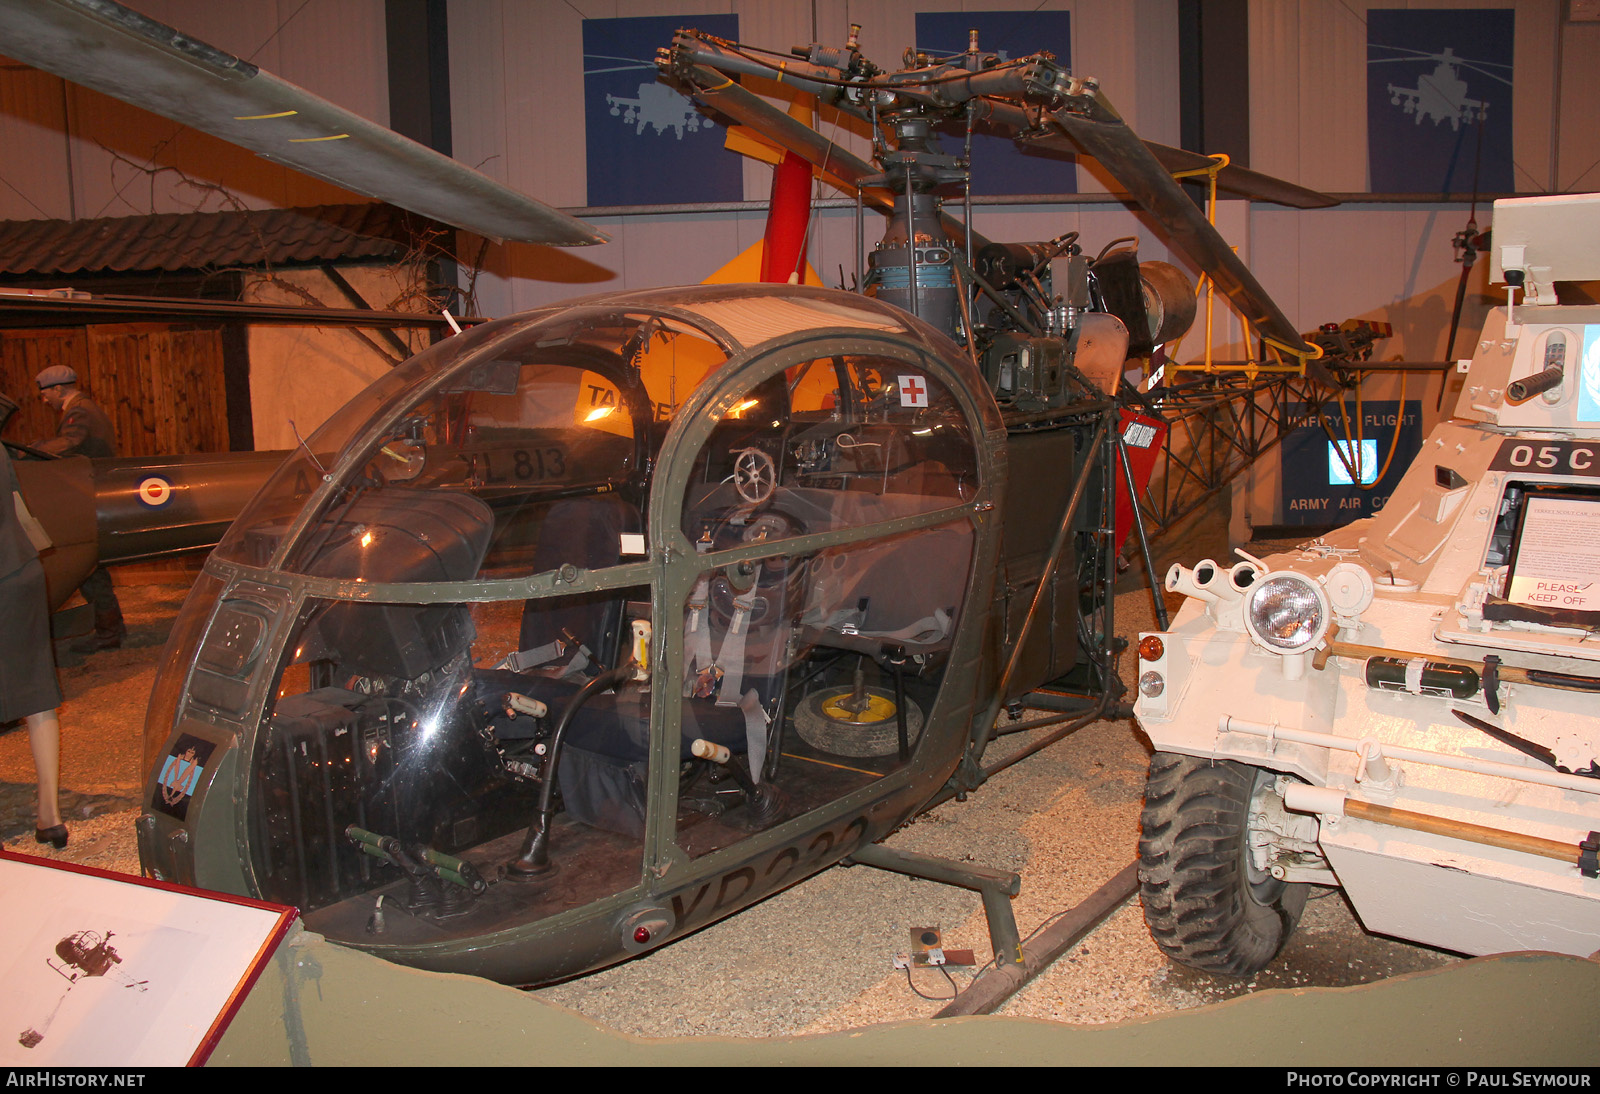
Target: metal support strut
(1051, 562)
(997, 887)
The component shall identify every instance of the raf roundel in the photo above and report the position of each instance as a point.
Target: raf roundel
(155, 491)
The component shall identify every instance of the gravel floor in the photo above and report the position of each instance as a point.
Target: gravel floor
(816, 957)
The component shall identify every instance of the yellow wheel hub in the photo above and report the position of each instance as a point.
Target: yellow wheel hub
(878, 708)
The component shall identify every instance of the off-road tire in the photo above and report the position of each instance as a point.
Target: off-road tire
(1204, 904)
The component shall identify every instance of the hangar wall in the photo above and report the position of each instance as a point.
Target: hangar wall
(1308, 110)
(1392, 261)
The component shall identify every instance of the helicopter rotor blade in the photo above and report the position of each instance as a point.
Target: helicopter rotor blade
(741, 105)
(1404, 49)
(1090, 120)
(109, 48)
(1472, 66)
(1012, 121)
(1241, 180)
(718, 92)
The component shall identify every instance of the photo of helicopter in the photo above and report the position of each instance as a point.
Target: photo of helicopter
(592, 625)
(78, 955)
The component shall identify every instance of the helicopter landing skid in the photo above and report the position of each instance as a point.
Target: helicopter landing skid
(997, 887)
(1000, 982)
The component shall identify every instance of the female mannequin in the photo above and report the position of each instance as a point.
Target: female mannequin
(28, 687)
(44, 739)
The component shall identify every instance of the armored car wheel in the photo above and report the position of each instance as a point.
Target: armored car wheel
(1206, 904)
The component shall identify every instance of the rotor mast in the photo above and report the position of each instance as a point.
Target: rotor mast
(1033, 100)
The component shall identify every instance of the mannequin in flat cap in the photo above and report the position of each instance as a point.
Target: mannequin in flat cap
(84, 430)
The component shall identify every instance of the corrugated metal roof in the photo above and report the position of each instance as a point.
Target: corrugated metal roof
(186, 241)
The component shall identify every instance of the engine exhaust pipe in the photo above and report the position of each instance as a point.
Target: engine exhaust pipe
(1181, 579)
(1214, 579)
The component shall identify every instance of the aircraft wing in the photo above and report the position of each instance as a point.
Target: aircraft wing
(105, 46)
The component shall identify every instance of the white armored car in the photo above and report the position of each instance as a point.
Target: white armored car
(1408, 707)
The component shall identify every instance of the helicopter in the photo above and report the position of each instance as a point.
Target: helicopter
(1441, 95)
(81, 954)
(589, 626)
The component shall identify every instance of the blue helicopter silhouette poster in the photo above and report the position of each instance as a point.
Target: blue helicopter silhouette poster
(1439, 100)
(646, 143)
(998, 165)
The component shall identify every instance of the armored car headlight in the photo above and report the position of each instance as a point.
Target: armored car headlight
(1286, 612)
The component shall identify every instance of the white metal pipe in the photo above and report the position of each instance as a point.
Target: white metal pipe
(1244, 575)
(1546, 777)
(1302, 797)
(1216, 580)
(1180, 579)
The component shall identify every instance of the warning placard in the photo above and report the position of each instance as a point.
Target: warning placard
(1558, 555)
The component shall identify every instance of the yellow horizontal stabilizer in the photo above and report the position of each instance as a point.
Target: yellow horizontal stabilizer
(746, 267)
(747, 142)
